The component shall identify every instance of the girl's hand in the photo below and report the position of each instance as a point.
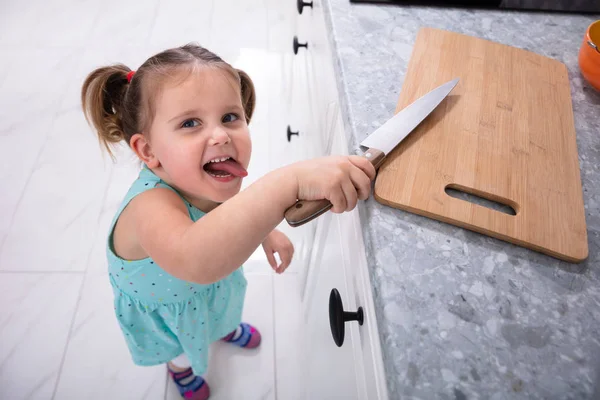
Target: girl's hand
(343, 180)
(277, 242)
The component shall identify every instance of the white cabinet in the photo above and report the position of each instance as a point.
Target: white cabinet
(291, 108)
(331, 372)
(319, 75)
(336, 258)
(338, 261)
(366, 344)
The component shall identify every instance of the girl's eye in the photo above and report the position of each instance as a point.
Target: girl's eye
(190, 123)
(230, 117)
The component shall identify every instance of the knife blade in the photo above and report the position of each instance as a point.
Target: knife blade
(378, 145)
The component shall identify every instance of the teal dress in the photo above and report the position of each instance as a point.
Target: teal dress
(161, 316)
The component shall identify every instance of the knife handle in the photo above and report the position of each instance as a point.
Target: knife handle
(306, 210)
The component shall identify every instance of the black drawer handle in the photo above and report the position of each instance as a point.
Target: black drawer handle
(338, 317)
(301, 4)
(290, 133)
(298, 45)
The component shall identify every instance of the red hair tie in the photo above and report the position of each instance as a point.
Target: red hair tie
(129, 76)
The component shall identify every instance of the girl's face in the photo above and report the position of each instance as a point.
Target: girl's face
(199, 137)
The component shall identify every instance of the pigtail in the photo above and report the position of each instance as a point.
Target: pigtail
(102, 97)
(248, 94)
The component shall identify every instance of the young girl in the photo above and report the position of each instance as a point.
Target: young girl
(178, 240)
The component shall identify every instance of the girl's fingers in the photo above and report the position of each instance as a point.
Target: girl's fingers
(271, 259)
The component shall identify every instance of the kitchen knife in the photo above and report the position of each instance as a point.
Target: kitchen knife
(378, 145)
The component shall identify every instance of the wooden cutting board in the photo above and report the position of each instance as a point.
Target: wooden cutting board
(505, 133)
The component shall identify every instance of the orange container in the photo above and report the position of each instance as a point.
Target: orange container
(589, 55)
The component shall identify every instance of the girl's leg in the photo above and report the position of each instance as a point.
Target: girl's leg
(180, 363)
(190, 386)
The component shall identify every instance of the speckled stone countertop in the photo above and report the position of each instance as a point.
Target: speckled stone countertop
(462, 315)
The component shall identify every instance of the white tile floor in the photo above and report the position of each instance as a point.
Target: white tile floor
(58, 335)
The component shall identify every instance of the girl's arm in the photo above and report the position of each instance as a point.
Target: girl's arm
(213, 247)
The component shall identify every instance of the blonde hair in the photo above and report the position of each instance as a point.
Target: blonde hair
(118, 108)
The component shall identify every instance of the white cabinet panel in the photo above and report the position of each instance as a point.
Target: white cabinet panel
(324, 107)
(337, 257)
(286, 109)
(331, 371)
(282, 25)
(366, 341)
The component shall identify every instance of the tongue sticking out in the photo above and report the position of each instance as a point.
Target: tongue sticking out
(230, 166)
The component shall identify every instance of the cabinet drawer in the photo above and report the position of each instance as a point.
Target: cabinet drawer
(338, 258)
(332, 371)
(355, 368)
(366, 343)
(320, 75)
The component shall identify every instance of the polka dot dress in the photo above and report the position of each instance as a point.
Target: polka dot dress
(162, 316)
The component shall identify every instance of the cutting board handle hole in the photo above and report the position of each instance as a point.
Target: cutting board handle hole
(481, 199)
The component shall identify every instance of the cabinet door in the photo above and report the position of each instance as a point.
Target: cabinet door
(282, 23)
(330, 372)
(287, 111)
(338, 260)
(367, 346)
(322, 74)
(336, 146)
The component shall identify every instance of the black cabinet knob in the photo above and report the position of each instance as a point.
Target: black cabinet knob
(290, 133)
(338, 317)
(301, 4)
(297, 45)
